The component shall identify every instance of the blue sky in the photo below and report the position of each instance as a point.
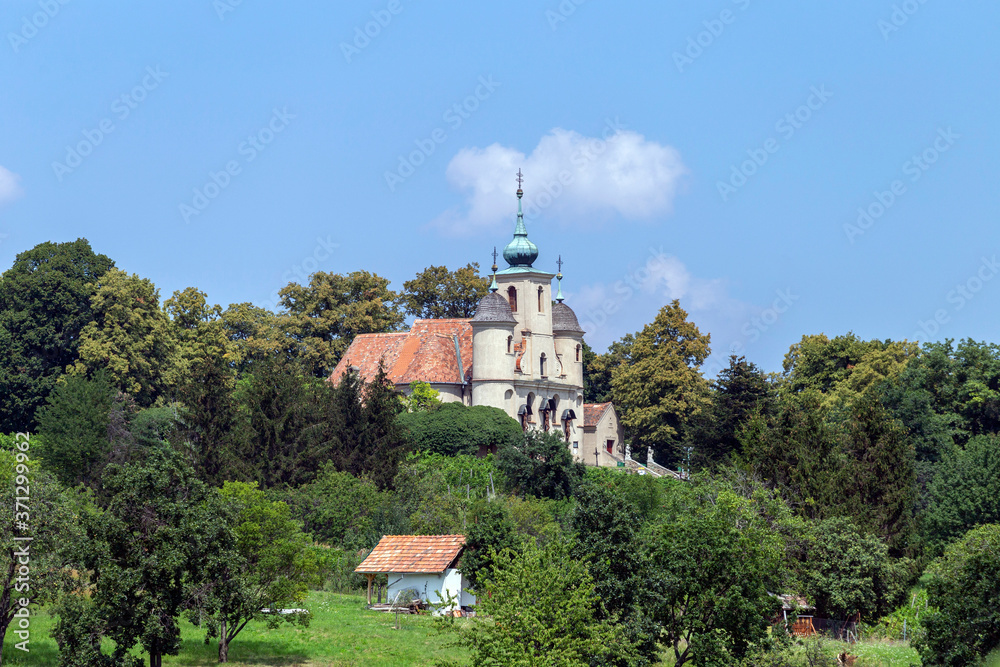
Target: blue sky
(720, 152)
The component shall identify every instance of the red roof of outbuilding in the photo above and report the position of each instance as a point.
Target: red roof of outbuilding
(413, 553)
(592, 412)
(425, 353)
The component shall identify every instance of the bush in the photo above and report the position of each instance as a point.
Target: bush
(963, 622)
(455, 429)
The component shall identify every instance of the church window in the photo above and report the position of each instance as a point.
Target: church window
(510, 344)
(578, 353)
(512, 298)
(541, 293)
(541, 365)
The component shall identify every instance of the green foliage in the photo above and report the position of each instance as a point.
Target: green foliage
(324, 317)
(847, 572)
(541, 465)
(130, 337)
(268, 567)
(44, 304)
(606, 528)
(844, 367)
(740, 391)
(657, 385)
(490, 532)
(422, 397)
(454, 428)
(438, 293)
(965, 493)
(341, 510)
(146, 548)
(904, 622)
(74, 424)
(539, 607)
(963, 623)
(254, 333)
(33, 496)
(714, 562)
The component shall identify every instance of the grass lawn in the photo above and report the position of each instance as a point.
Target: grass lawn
(342, 632)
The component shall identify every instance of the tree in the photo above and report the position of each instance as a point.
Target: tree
(324, 317)
(597, 369)
(74, 424)
(797, 452)
(962, 624)
(147, 548)
(491, 532)
(456, 429)
(879, 480)
(715, 561)
(740, 391)
(130, 336)
(422, 397)
(254, 333)
(847, 572)
(437, 293)
(539, 608)
(965, 493)
(339, 509)
(659, 387)
(210, 420)
(845, 364)
(606, 527)
(35, 560)
(198, 330)
(541, 465)
(269, 569)
(44, 305)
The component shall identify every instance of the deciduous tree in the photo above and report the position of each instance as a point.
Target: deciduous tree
(438, 293)
(659, 387)
(45, 302)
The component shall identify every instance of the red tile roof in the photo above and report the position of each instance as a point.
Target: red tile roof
(425, 353)
(413, 553)
(592, 413)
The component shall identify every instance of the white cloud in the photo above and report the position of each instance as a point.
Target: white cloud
(567, 177)
(10, 186)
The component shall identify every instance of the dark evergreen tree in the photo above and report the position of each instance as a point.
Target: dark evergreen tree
(541, 465)
(740, 391)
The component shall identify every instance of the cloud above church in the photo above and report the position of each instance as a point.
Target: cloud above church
(568, 177)
(10, 186)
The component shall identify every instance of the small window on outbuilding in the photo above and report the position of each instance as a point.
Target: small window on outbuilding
(512, 298)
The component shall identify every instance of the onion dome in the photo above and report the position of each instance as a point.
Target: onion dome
(494, 308)
(564, 319)
(520, 252)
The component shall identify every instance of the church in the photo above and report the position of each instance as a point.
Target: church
(521, 352)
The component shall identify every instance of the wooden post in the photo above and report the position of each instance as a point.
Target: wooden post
(370, 578)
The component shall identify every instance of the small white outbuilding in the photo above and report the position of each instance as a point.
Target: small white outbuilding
(425, 566)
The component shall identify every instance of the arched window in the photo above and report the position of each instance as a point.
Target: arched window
(541, 364)
(578, 353)
(510, 344)
(541, 293)
(512, 298)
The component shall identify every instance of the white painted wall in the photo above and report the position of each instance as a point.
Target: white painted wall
(429, 585)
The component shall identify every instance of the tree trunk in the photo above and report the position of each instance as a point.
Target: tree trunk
(223, 643)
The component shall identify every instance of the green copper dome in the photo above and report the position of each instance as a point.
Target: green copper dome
(520, 252)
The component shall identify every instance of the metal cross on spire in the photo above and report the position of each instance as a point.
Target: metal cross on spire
(520, 179)
(559, 263)
(494, 255)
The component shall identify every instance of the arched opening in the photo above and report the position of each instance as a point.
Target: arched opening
(567, 419)
(541, 365)
(510, 344)
(578, 350)
(541, 293)
(512, 298)
(554, 407)
(544, 410)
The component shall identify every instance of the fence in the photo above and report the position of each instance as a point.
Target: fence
(809, 626)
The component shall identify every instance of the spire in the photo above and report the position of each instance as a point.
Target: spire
(559, 296)
(493, 285)
(520, 252)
